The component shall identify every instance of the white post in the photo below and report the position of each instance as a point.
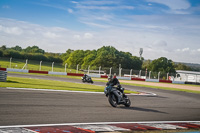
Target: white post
(25, 66)
(89, 69)
(26, 63)
(10, 61)
(52, 66)
(120, 72)
(131, 73)
(167, 76)
(140, 73)
(149, 74)
(158, 75)
(40, 65)
(65, 67)
(110, 70)
(99, 70)
(77, 68)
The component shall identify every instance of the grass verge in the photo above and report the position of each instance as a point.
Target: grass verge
(164, 88)
(17, 82)
(131, 84)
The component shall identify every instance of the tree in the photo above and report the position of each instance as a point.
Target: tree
(34, 49)
(17, 48)
(163, 65)
(89, 59)
(1, 53)
(66, 55)
(3, 47)
(75, 58)
(146, 64)
(181, 66)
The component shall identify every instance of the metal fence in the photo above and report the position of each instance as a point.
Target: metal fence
(76, 68)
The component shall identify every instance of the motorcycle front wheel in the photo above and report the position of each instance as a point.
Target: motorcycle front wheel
(127, 102)
(112, 100)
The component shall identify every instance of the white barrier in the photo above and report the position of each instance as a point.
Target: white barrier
(57, 73)
(124, 78)
(17, 70)
(152, 80)
(178, 82)
(95, 75)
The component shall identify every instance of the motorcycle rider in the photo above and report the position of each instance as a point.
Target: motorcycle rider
(85, 76)
(114, 81)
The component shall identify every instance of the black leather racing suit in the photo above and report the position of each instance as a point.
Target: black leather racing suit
(114, 82)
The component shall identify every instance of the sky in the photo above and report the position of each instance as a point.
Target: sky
(163, 28)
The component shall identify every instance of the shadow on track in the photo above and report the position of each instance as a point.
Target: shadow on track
(142, 109)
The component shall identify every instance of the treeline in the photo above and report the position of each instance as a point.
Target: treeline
(106, 56)
(31, 53)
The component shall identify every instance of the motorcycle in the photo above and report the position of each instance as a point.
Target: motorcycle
(111, 91)
(87, 79)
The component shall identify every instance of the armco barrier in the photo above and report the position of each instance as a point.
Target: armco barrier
(74, 74)
(178, 82)
(57, 73)
(3, 69)
(104, 76)
(152, 80)
(165, 81)
(3, 76)
(41, 72)
(138, 79)
(124, 78)
(17, 70)
(97, 76)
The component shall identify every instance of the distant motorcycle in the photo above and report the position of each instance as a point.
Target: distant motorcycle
(113, 99)
(87, 79)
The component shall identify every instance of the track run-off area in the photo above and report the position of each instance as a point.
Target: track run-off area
(39, 107)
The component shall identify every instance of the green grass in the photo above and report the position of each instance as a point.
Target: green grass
(164, 88)
(17, 82)
(58, 67)
(48, 84)
(131, 84)
(33, 65)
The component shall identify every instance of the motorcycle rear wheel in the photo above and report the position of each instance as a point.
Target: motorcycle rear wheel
(112, 100)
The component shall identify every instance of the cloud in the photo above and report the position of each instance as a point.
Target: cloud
(183, 50)
(176, 6)
(88, 36)
(173, 4)
(102, 5)
(70, 10)
(102, 2)
(160, 43)
(77, 37)
(50, 35)
(55, 39)
(11, 30)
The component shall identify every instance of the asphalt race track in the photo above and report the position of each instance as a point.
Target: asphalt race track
(25, 107)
